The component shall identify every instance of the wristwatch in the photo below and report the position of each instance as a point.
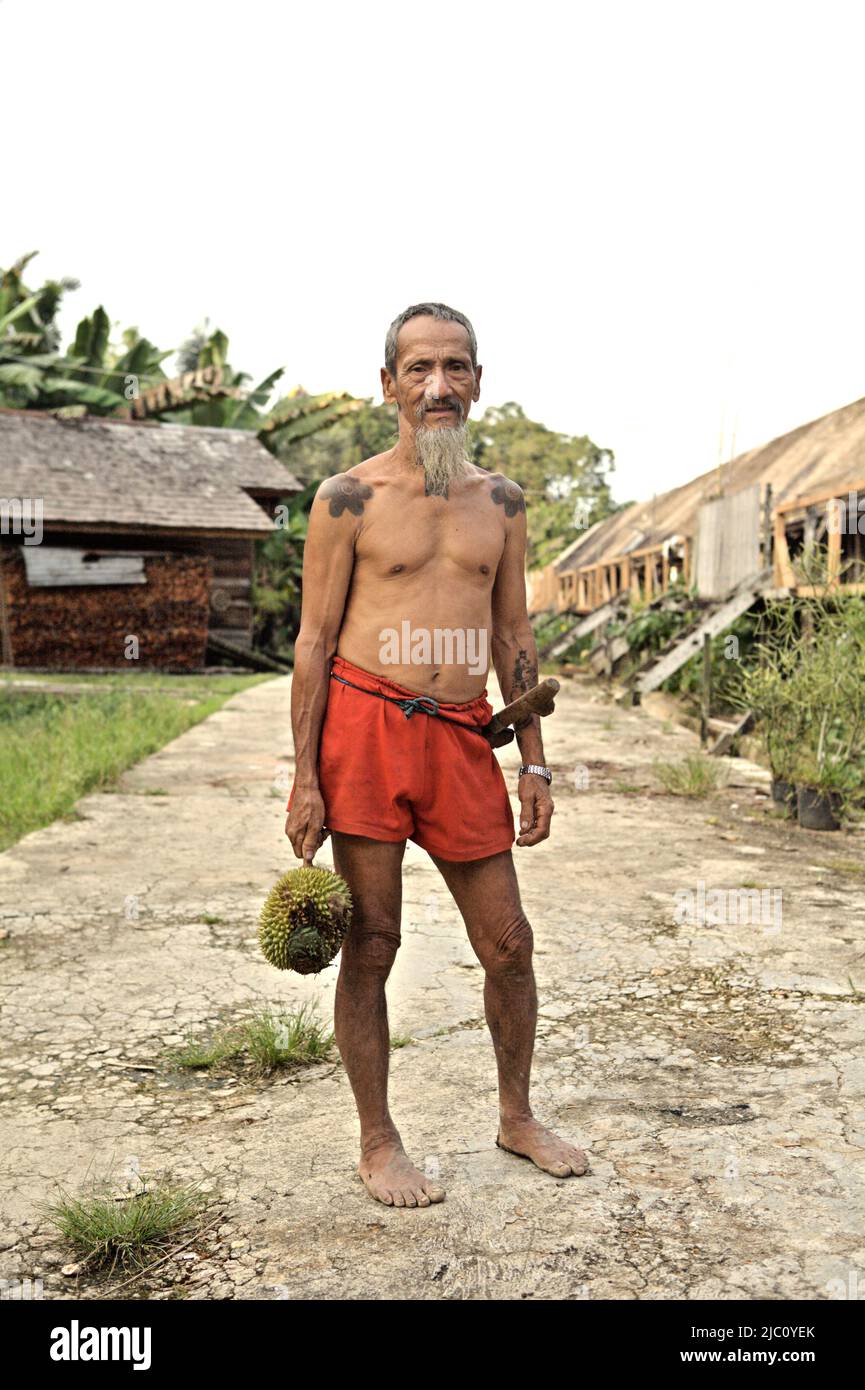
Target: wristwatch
(536, 767)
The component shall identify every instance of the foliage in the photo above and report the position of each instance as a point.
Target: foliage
(276, 589)
(96, 377)
(264, 1041)
(108, 1232)
(695, 776)
(350, 438)
(36, 375)
(807, 686)
(565, 477)
(728, 650)
(649, 629)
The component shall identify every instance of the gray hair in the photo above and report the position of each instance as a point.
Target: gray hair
(434, 311)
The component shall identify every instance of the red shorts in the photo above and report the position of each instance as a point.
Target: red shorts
(420, 778)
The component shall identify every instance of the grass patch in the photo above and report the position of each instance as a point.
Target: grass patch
(845, 866)
(109, 1232)
(56, 748)
(626, 788)
(693, 776)
(138, 681)
(400, 1040)
(265, 1041)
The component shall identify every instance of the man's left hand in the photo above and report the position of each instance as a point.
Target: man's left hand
(536, 809)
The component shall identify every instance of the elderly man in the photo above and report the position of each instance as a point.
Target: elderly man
(413, 570)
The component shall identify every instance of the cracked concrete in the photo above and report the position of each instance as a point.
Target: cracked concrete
(714, 1073)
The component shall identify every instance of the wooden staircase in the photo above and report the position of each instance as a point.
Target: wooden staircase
(661, 665)
(607, 612)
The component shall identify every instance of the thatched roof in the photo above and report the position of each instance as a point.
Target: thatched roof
(127, 475)
(824, 454)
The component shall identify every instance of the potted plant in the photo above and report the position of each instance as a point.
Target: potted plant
(829, 691)
(766, 690)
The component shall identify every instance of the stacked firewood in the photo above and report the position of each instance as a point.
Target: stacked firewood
(161, 624)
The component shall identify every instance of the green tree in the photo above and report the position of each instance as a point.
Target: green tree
(90, 378)
(565, 477)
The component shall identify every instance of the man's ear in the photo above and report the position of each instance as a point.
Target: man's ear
(387, 386)
(477, 391)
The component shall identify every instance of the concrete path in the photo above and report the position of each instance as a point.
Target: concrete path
(714, 1072)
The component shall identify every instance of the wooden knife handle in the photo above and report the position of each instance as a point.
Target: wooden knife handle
(539, 700)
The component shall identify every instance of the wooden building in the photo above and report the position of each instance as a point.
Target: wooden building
(719, 530)
(126, 541)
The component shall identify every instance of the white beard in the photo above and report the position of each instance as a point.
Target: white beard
(442, 453)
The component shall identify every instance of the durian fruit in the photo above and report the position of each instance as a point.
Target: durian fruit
(305, 919)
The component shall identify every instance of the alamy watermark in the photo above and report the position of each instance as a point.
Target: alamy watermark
(21, 1290)
(439, 646)
(847, 518)
(718, 907)
(22, 516)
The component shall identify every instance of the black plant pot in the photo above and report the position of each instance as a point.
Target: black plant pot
(784, 795)
(818, 810)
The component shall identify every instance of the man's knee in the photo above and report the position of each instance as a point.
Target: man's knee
(509, 947)
(371, 946)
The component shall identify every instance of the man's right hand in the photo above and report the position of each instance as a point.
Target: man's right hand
(304, 824)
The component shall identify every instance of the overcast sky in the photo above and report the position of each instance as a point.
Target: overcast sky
(652, 213)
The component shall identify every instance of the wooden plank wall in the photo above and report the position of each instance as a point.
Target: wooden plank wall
(728, 542)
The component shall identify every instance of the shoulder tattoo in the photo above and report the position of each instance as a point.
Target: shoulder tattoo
(345, 494)
(509, 496)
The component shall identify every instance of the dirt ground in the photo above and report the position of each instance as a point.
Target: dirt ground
(714, 1071)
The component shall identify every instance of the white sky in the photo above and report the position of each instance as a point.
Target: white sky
(652, 213)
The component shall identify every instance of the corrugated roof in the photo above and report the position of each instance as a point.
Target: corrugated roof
(825, 453)
(121, 473)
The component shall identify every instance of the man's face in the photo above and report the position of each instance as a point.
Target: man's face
(433, 389)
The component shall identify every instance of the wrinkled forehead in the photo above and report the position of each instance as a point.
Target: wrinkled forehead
(427, 339)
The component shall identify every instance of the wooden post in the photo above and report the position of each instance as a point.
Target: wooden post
(706, 700)
(785, 577)
(833, 550)
(5, 638)
(767, 526)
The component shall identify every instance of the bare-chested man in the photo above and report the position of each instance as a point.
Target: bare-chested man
(415, 542)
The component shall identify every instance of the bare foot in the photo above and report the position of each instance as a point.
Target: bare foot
(390, 1177)
(530, 1139)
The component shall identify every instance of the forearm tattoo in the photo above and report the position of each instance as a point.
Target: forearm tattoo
(345, 494)
(525, 678)
(525, 674)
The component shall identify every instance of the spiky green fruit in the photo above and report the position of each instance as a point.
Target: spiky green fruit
(304, 920)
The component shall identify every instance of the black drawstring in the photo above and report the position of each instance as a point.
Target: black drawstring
(425, 703)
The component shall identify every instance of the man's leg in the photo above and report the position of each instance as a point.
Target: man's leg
(487, 894)
(373, 871)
